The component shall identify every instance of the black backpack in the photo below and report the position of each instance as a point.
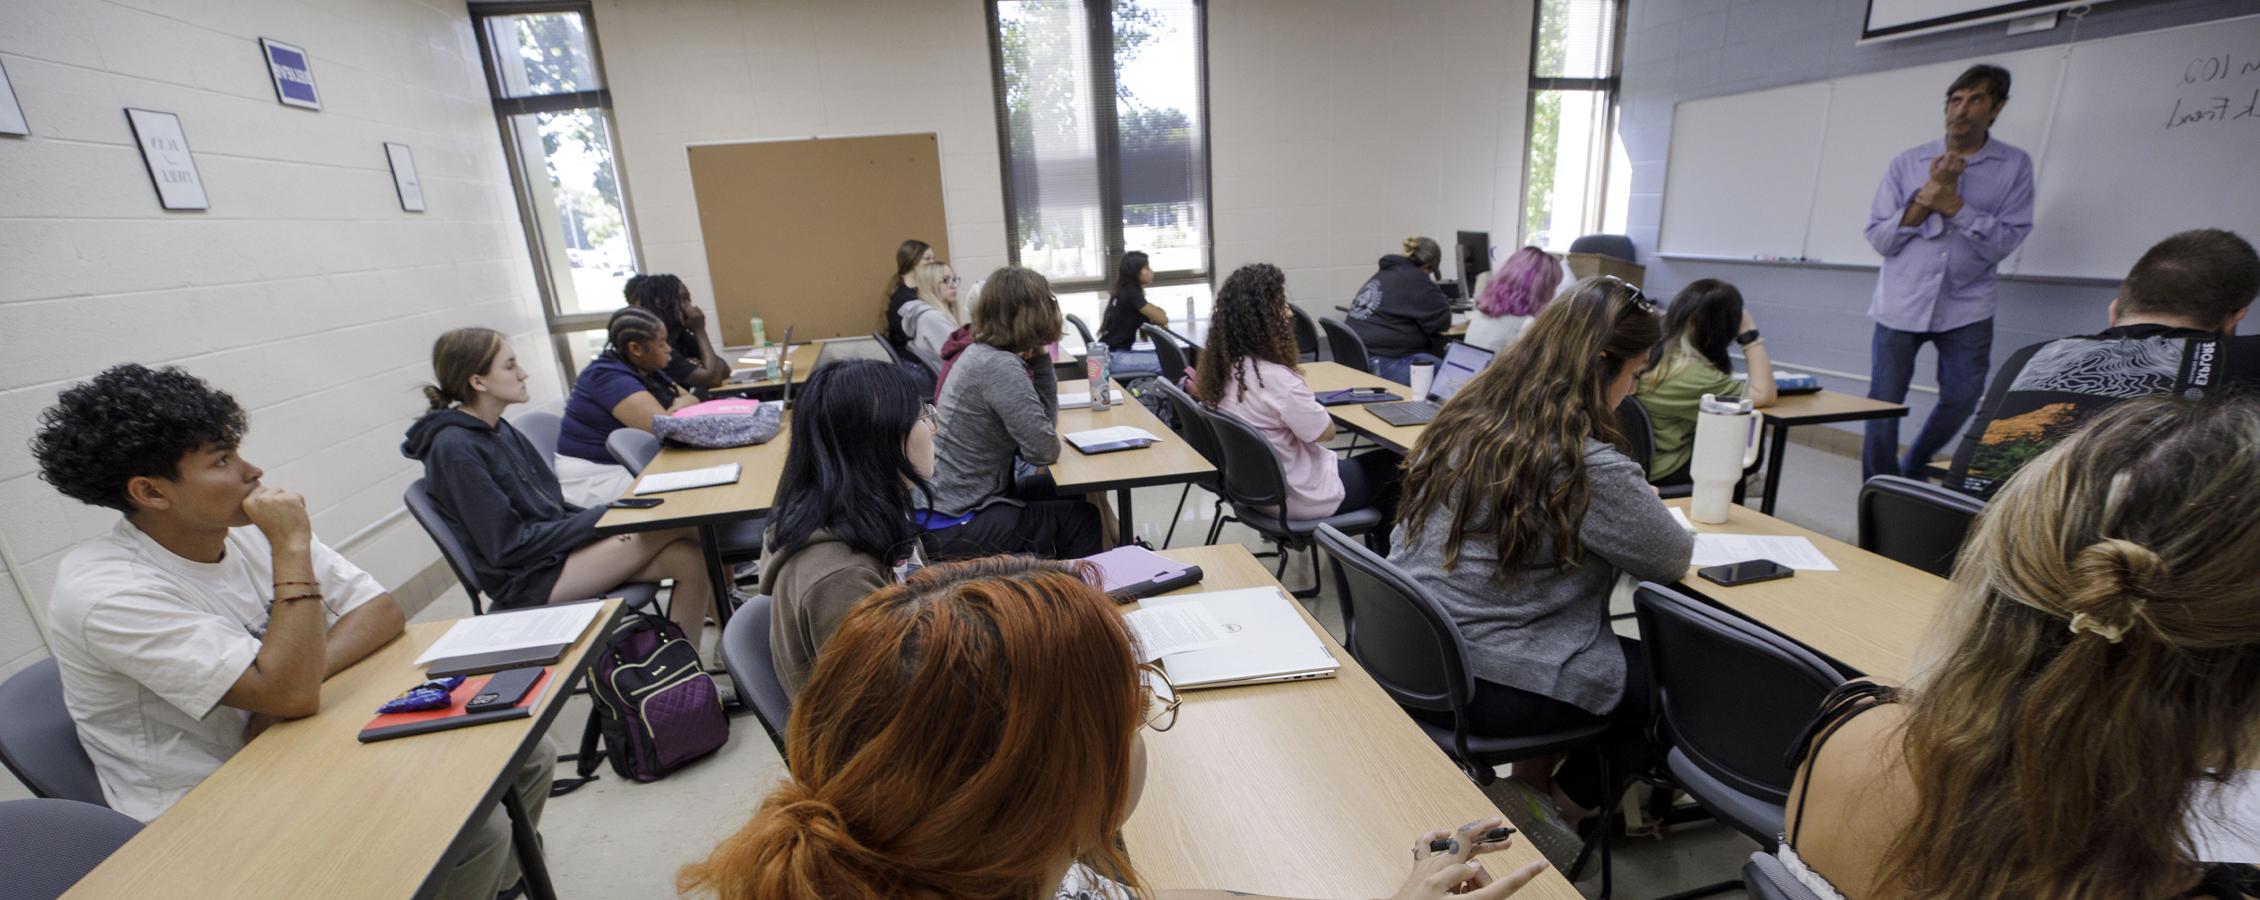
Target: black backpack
(656, 707)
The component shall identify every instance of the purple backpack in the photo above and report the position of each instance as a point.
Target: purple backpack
(655, 705)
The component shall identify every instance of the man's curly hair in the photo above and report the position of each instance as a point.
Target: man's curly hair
(130, 421)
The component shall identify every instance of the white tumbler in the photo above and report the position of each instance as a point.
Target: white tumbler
(1726, 444)
(1423, 376)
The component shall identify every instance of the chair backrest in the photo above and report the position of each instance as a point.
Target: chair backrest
(1733, 696)
(1167, 351)
(53, 843)
(541, 428)
(1306, 334)
(1392, 628)
(745, 651)
(1615, 245)
(1766, 878)
(887, 346)
(39, 743)
(1349, 349)
(1083, 329)
(632, 448)
(426, 513)
(1915, 522)
(1193, 424)
(1639, 430)
(1252, 475)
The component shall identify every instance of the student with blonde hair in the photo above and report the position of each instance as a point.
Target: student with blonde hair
(1401, 313)
(933, 316)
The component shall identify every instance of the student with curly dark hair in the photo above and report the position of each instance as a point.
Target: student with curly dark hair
(210, 610)
(1248, 369)
(696, 363)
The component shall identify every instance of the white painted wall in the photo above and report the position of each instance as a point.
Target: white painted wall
(305, 290)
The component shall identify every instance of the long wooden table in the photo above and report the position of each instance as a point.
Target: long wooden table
(1300, 789)
(1816, 408)
(1169, 461)
(1332, 376)
(1871, 614)
(306, 810)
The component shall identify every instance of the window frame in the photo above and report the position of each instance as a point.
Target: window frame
(1108, 127)
(1596, 188)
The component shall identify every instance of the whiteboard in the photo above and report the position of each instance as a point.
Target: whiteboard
(2112, 177)
(1741, 170)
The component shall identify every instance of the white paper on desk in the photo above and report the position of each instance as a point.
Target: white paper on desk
(687, 479)
(1118, 433)
(541, 626)
(1795, 552)
(2225, 820)
(1074, 400)
(1176, 628)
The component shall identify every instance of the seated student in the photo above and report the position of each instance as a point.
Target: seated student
(1512, 298)
(999, 404)
(1706, 316)
(2172, 331)
(695, 363)
(528, 545)
(1526, 570)
(2093, 673)
(933, 316)
(842, 523)
(977, 732)
(1249, 370)
(903, 288)
(211, 610)
(1401, 313)
(1126, 309)
(623, 387)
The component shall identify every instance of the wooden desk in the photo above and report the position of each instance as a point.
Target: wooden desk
(707, 509)
(1330, 376)
(1816, 408)
(307, 811)
(1301, 789)
(1457, 329)
(803, 357)
(1871, 614)
(1171, 461)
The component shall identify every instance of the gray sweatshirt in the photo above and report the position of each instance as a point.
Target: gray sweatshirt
(994, 405)
(929, 329)
(1545, 629)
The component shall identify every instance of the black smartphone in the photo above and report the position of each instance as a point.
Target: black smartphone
(637, 502)
(505, 689)
(1750, 572)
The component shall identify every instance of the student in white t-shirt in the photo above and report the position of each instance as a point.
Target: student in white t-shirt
(210, 610)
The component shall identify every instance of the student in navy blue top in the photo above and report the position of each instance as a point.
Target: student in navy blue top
(624, 387)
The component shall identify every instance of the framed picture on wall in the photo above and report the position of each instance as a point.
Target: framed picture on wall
(404, 177)
(11, 114)
(292, 74)
(164, 148)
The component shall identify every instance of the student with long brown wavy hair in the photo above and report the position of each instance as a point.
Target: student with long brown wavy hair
(1520, 510)
(2094, 671)
(975, 732)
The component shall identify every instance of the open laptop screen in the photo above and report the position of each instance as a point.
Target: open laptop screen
(1461, 361)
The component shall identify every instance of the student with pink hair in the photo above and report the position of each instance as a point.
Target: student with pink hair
(1515, 295)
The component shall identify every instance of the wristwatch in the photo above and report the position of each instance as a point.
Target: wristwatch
(1747, 338)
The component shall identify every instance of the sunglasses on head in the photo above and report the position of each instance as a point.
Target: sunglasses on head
(1638, 300)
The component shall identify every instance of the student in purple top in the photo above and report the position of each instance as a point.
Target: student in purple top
(624, 387)
(1946, 213)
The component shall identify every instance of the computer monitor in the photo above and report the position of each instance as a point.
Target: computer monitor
(1461, 361)
(1475, 257)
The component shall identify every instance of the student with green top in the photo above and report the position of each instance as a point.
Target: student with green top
(1691, 362)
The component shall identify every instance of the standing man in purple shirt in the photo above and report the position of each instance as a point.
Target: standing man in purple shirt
(1946, 213)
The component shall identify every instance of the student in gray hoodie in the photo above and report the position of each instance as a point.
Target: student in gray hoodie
(499, 496)
(1521, 510)
(999, 404)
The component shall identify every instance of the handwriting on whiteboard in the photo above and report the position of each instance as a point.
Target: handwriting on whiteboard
(2236, 104)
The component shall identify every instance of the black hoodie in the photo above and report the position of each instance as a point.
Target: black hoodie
(1400, 311)
(501, 499)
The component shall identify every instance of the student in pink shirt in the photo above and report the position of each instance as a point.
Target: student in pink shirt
(1247, 368)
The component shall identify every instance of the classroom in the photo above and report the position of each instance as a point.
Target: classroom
(1093, 449)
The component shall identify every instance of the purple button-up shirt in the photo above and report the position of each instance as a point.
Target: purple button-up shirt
(1938, 275)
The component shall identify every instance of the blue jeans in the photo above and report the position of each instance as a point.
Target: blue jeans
(1399, 368)
(1964, 355)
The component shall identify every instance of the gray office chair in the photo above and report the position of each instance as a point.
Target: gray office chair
(1415, 651)
(1349, 349)
(53, 843)
(745, 652)
(1082, 329)
(1254, 481)
(1615, 245)
(635, 594)
(634, 450)
(1306, 334)
(1167, 351)
(1732, 698)
(1640, 437)
(1915, 522)
(38, 742)
(887, 346)
(1768, 879)
(1193, 426)
(541, 428)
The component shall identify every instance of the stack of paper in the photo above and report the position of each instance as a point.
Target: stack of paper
(1794, 552)
(1119, 434)
(710, 476)
(1074, 399)
(540, 626)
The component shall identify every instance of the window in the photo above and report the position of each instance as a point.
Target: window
(1575, 177)
(547, 80)
(1102, 108)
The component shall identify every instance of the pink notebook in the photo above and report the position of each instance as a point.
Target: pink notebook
(737, 405)
(1131, 572)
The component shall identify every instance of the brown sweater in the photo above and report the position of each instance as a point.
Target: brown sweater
(814, 589)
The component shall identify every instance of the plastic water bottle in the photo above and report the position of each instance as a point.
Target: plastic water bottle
(1098, 366)
(760, 334)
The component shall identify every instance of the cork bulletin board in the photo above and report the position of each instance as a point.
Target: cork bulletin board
(803, 232)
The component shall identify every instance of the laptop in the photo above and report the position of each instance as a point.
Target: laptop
(1461, 361)
(1271, 642)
